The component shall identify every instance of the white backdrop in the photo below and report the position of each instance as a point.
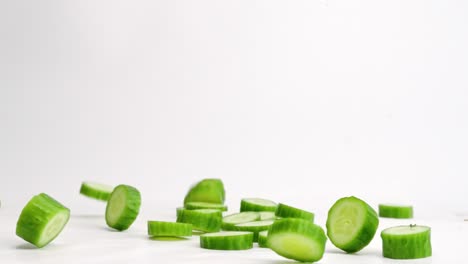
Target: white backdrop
(298, 101)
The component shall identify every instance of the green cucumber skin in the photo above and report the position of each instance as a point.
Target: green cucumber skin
(95, 194)
(300, 226)
(247, 206)
(169, 229)
(35, 216)
(286, 211)
(204, 205)
(206, 190)
(131, 210)
(254, 229)
(418, 246)
(405, 212)
(232, 226)
(206, 222)
(367, 232)
(262, 239)
(243, 242)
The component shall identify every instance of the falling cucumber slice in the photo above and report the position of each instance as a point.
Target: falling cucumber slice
(168, 229)
(254, 227)
(206, 220)
(207, 191)
(286, 211)
(406, 242)
(203, 205)
(96, 191)
(257, 204)
(230, 221)
(297, 239)
(42, 220)
(351, 224)
(395, 211)
(262, 239)
(123, 207)
(228, 240)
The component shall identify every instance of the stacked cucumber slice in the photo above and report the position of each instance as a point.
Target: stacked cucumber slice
(289, 231)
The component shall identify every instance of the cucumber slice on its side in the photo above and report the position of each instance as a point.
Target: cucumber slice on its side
(230, 240)
(297, 239)
(123, 207)
(206, 220)
(207, 190)
(168, 229)
(267, 215)
(203, 205)
(257, 204)
(96, 191)
(286, 211)
(42, 220)
(230, 221)
(351, 224)
(406, 242)
(262, 239)
(395, 211)
(255, 227)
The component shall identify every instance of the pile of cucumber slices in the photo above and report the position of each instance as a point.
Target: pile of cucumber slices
(289, 231)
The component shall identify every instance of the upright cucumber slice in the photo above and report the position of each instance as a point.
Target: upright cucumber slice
(207, 190)
(297, 239)
(255, 227)
(42, 220)
(257, 204)
(123, 207)
(230, 240)
(406, 242)
(267, 215)
(286, 211)
(395, 211)
(168, 229)
(262, 239)
(96, 191)
(230, 221)
(351, 224)
(203, 205)
(206, 220)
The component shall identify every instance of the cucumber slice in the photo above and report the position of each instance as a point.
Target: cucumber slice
(351, 224)
(230, 221)
(286, 211)
(406, 242)
(257, 204)
(297, 239)
(168, 229)
(395, 211)
(96, 191)
(267, 215)
(255, 227)
(42, 220)
(228, 240)
(207, 190)
(206, 220)
(262, 239)
(123, 207)
(202, 205)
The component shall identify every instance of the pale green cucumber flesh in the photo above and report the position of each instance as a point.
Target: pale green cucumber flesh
(96, 191)
(230, 221)
(123, 207)
(257, 204)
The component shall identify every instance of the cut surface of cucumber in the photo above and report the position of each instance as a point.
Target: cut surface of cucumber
(267, 215)
(206, 190)
(257, 204)
(169, 229)
(227, 240)
(286, 211)
(406, 242)
(96, 190)
(255, 227)
(42, 220)
(297, 239)
(203, 205)
(395, 211)
(351, 224)
(206, 220)
(123, 207)
(230, 221)
(262, 239)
